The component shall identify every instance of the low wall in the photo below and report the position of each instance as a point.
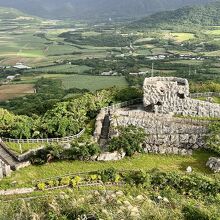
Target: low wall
(184, 141)
(205, 94)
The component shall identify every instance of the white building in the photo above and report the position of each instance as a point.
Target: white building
(10, 77)
(21, 66)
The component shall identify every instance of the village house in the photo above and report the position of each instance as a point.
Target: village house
(21, 66)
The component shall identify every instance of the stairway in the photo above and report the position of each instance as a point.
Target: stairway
(105, 127)
(105, 131)
(7, 157)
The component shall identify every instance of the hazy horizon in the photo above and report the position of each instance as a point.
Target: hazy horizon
(96, 8)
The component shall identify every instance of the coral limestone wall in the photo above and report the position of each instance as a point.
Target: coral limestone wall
(164, 133)
(171, 95)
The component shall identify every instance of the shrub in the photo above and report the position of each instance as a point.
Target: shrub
(108, 175)
(83, 151)
(93, 177)
(73, 183)
(65, 181)
(194, 213)
(138, 177)
(213, 137)
(130, 140)
(50, 152)
(192, 185)
(50, 183)
(117, 178)
(128, 94)
(77, 179)
(41, 186)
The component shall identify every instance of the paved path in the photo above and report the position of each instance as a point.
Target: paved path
(7, 157)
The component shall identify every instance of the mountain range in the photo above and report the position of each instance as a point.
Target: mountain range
(204, 15)
(93, 9)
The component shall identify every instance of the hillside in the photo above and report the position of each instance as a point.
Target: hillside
(96, 8)
(197, 15)
(8, 14)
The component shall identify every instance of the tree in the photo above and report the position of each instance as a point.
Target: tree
(130, 139)
(213, 137)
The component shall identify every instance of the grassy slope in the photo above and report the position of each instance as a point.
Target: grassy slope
(25, 176)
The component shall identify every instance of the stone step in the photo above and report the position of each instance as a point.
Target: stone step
(105, 128)
(7, 158)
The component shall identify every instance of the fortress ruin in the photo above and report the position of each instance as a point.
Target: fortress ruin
(164, 98)
(171, 95)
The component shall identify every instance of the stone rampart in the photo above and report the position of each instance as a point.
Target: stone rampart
(171, 95)
(5, 169)
(163, 132)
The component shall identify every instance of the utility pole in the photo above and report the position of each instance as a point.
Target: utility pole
(20, 148)
(152, 70)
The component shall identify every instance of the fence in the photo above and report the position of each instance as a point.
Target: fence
(140, 100)
(45, 140)
(205, 94)
(106, 109)
(123, 104)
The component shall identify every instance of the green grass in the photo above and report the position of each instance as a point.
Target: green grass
(31, 53)
(33, 78)
(213, 32)
(180, 37)
(80, 81)
(213, 53)
(159, 50)
(189, 62)
(215, 99)
(23, 147)
(65, 68)
(93, 82)
(25, 176)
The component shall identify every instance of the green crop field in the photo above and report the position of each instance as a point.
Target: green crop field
(180, 37)
(188, 62)
(65, 68)
(93, 82)
(213, 32)
(80, 81)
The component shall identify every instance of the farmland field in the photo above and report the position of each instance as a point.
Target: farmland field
(93, 82)
(79, 81)
(180, 37)
(213, 32)
(12, 91)
(65, 68)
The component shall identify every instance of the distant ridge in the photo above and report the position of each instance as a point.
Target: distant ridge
(94, 9)
(11, 13)
(204, 15)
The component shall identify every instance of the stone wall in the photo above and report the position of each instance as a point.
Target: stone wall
(5, 169)
(98, 125)
(164, 133)
(171, 95)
